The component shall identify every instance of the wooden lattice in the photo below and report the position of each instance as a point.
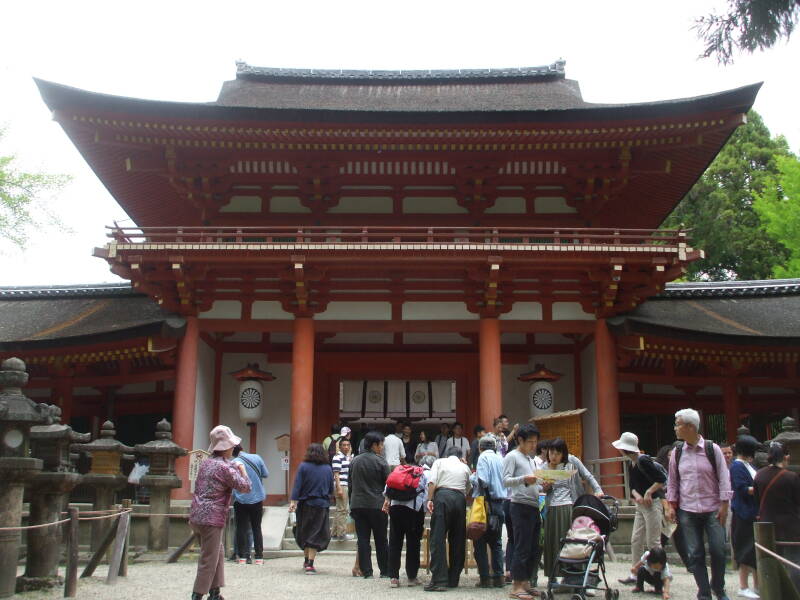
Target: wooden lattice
(567, 425)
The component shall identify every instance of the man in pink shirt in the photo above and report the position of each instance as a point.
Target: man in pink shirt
(700, 492)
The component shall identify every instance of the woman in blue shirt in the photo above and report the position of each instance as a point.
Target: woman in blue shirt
(743, 506)
(311, 500)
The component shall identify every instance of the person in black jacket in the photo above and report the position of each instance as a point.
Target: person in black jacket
(367, 478)
(647, 481)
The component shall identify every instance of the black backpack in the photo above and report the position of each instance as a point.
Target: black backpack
(710, 455)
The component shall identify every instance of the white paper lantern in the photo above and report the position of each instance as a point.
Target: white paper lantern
(251, 400)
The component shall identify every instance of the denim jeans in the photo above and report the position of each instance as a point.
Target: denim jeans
(491, 542)
(527, 524)
(693, 526)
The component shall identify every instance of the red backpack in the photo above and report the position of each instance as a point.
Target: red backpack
(403, 482)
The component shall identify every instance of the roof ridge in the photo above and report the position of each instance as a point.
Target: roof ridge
(723, 289)
(67, 290)
(553, 70)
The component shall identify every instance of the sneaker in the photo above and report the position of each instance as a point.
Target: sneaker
(394, 583)
(259, 561)
(242, 561)
(310, 570)
(747, 593)
(414, 582)
(348, 537)
(249, 561)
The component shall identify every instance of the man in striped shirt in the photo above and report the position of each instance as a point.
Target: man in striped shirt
(341, 469)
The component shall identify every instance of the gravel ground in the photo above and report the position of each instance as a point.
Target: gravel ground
(283, 578)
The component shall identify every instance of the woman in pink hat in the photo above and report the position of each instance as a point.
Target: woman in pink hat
(216, 480)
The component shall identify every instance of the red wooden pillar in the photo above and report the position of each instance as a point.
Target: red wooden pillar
(491, 386)
(302, 389)
(183, 407)
(608, 417)
(64, 398)
(730, 397)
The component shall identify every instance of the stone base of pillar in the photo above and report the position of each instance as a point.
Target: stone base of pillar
(104, 488)
(161, 487)
(49, 494)
(14, 473)
(34, 584)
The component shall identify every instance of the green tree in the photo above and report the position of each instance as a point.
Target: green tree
(748, 25)
(779, 209)
(22, 200)
(719, 208)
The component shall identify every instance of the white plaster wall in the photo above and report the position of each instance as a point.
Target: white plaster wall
(591, 434)
(570, 311)
(224, 309)
(515, 395)
(269, 309)
(528, 311)
(275, 419)
(204, 396)
(434, 338)
(435, 311)
(359, 311)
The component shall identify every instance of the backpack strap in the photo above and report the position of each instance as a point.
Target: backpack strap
(710, 455)
(764, 495)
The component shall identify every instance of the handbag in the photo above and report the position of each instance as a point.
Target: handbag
(477, 522)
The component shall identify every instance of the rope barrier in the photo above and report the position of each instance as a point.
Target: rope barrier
(39, 526)
(62, 521)
(777, 557)
(126, 510)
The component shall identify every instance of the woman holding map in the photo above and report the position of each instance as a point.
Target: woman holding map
(562, 491)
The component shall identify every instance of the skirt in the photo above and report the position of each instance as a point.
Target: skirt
(313, 527)
(556, 525)
(743, 541)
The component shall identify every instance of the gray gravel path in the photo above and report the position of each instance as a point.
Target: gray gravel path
(283, 578)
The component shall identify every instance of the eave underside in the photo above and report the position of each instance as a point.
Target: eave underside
(168, 163)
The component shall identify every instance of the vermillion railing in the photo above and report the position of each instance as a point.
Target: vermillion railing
(397, 235)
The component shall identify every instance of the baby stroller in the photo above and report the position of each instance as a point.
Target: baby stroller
(581, 561)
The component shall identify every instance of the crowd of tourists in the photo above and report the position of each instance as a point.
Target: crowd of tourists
(393, 480)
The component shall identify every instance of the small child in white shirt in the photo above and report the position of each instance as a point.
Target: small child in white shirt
(652, 568)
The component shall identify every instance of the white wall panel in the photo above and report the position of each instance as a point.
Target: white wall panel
(436, 311)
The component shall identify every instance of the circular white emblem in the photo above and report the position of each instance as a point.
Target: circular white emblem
(542, 399)
(250, 398)
(418, 397)
(375, 396)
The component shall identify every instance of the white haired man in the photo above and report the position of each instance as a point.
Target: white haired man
(699, 489)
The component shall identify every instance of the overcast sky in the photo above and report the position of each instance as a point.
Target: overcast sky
(631, 51)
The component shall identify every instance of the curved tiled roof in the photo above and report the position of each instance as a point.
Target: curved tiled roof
(45, 316)
(763, 312)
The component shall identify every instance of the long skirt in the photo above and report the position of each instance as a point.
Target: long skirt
(313, 528)
(556, 525)
(743, 541)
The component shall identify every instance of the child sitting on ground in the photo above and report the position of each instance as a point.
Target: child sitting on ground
(652, 568)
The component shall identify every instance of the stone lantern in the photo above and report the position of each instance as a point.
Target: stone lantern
(105, 475)
(541, 398)
(18, 414)
(161, 480)
(49, 494)
(790, 437)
